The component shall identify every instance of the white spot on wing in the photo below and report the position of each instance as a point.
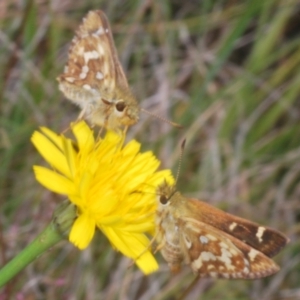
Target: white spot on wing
(213, 274)
(99, 32)
(206, 256)
(197, 264)
(246, 262)
(223, 245)
(80, 51)
(70, 79)
(232, 226)
(252, 254)
(99, 75)
(260, 233)
(85, 69)
(203, 239)
(82, 75)
(211, 237)
(87, 87)
(225, 258)
(100, 49)
(233, 251)
(90, 55)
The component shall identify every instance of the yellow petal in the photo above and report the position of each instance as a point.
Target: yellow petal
(70, 155)
(107, 204)
(109, 220)
(76, 200)
(133, 245)
(138, 227)
(109, 146)
(54, 181)
(132, 148)
(52, 136)
(51, 153)
(85, 183)
(158, 177)
(147, 263)
(82, 231)
(84, 135)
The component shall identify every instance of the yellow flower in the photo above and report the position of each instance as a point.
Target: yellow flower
(113, 187)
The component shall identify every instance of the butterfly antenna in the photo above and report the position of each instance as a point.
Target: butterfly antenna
(65, 130)
(180, 160)
(161, 118)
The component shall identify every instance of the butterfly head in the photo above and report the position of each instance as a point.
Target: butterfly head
(119, 112)
(165, 194)
(127, 110)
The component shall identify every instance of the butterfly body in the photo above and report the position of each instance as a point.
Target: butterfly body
(214, 243)
(94, 79)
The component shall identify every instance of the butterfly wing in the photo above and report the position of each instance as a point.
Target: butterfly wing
(93, 69)
(264, 239)
(119, 75)
(213, 253)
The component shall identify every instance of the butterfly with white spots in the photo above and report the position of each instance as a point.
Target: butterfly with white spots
(94, 78)
(214, 243)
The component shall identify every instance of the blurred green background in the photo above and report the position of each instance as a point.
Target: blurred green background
(229, 71)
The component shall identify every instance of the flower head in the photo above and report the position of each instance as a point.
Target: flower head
(113, 187)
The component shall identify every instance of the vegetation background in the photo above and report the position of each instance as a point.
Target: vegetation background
(226, 70)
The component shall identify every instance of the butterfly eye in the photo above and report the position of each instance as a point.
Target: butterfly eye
(163, 199)
(120, 106)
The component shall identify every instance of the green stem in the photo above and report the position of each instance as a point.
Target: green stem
(48, 238)
(56, 231)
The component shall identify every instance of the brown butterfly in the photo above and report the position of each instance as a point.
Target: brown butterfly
(94, 79)
(214, 243)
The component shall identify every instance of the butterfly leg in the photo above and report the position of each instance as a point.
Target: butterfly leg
(99, 133)
(81, 114)
(159, 247)
(189, 288)
(143, 252)
(125, 130)
(65, 130)
(79, 118)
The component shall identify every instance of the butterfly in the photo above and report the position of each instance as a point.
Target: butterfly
(212, 242)
(94, 79)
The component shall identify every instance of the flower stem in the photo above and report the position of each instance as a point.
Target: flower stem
(50, 236)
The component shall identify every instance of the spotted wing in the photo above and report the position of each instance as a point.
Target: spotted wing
(264, 239)
(213, 253)
(93, 69)
(117, 70)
